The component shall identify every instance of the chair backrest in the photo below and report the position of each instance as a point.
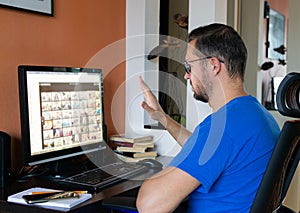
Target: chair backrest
(286, 155)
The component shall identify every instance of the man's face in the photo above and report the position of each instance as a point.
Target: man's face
(198, 76)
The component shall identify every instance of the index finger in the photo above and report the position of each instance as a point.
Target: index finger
(143, 85)
(146, 90)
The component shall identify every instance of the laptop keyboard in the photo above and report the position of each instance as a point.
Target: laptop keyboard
(99, 178)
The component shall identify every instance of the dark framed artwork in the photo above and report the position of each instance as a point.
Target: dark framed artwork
(37, 6)
(276, 34)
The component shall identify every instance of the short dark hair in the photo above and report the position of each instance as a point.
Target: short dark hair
(223, 42)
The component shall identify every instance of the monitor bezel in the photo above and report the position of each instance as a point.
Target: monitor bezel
(29, 159)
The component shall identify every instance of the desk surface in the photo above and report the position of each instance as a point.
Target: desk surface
(127, 188)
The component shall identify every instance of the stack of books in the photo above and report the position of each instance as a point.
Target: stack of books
(133, 149)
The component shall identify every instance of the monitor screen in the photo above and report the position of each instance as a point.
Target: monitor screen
(61, 112)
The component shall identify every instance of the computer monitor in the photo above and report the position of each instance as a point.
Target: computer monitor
(61, 111)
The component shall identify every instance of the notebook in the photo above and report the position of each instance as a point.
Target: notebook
(59, 204)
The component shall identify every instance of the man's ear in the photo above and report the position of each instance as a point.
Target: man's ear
(216, 65)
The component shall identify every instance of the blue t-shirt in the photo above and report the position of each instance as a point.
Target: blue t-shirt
(228, 153)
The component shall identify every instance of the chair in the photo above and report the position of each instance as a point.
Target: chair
(286, 154)
(283, 162)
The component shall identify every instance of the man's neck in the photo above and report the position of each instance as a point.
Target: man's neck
(225, 93)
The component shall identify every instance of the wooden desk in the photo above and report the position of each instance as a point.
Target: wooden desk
(127, 188)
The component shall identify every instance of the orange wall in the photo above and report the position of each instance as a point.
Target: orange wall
(280, 6)
(77, 31)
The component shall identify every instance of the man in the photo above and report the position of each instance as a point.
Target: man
(222, 162)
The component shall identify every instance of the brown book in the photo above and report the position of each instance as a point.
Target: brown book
(145, 154)
(144, 144)
(130, 149)
(130, 159)
(130, 139)
(138, 154)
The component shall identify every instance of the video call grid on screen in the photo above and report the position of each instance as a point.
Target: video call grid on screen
(64, 110)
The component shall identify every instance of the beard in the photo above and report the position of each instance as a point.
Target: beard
(201, 97)
(200, 94)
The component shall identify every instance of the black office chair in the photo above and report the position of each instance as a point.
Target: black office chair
(281, 167)
(286, 154)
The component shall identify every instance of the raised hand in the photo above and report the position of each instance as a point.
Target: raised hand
(154, 110)
(151, 105)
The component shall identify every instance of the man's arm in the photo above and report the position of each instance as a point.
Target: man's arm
(164, 191)
(154, 110)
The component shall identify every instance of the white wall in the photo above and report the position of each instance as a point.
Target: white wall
(142, 33)
(202, 12)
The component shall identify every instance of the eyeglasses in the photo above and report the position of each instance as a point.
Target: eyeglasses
(187, 66)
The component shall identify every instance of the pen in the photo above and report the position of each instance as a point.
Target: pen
(63, 195)
(49, 192)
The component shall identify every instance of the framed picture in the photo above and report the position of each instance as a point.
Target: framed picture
(276, 34)
(38, 6)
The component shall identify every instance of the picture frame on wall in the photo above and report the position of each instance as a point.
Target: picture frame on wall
(276, 34)
(44, 7)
